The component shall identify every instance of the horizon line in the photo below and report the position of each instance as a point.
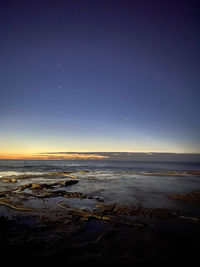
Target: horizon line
(110, 152)
(147, 156)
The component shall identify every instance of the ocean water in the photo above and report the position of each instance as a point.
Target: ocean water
(128, 182)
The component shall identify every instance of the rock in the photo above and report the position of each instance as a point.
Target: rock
(41, 186)
(23, 187)
(99, 199)
(70, 176)
(9, 180)
(125, 209)
(194, 196)
(36, 186)
(173, 173)
(103, 208)
(135, 210)
(60, 193)
(65, 173)
(74, 195)
(51, 194)
(7, 203)
(164, 213)
(68, 182)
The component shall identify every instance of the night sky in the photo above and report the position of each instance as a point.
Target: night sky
(99, 76)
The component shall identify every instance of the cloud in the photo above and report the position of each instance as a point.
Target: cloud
(70, 156)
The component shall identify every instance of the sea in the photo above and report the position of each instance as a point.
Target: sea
(149, 184)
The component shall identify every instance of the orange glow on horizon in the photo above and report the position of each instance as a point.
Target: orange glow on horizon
(48, 156)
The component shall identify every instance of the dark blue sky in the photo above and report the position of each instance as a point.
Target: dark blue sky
(100, 76)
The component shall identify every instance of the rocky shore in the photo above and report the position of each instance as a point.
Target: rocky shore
(192, 197)
(40, 223)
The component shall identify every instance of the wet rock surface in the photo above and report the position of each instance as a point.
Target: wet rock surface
(137, 210)
(67, 239)
(39, 223)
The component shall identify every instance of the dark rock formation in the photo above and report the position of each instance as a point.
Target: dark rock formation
(195, 196)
